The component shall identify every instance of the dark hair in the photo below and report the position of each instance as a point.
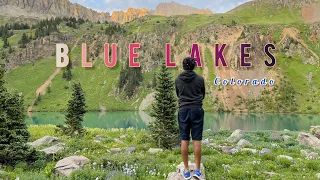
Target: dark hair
(188, 63)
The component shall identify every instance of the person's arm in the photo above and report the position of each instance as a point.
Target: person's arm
(176, 87)
(203, 90)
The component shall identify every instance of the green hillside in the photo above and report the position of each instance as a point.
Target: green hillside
(101, 83)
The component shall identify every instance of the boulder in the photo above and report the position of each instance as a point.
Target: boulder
(177, 175)
(229, 150)
(98, 138)
(265, 151)
(243, 143)
(308, 140)
(122, 136)
(206, 142)
(286, 157)
(304, 153)
(235, 135)
(318, 175)
(313, 155)
(131, 150)
(315, 130)
(115, 150)
(70, 164)
(118, 141)
(276, 136)
(253, 151)
(155, 150)
(46, 140)
(54, 149)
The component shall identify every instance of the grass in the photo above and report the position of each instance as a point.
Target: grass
(296, 73)
(218, 165)
(28, 77)
(265, 13)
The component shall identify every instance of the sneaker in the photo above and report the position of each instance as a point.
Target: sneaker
(197, 174)
(186, 175)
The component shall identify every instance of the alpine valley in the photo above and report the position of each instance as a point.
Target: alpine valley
(31, 29)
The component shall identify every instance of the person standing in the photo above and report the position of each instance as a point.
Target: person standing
(190, 89)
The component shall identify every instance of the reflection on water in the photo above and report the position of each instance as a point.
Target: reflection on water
(213, 121)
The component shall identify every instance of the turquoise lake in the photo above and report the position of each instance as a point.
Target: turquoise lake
(213, 121)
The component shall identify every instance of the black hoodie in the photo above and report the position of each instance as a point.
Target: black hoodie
(190, 89)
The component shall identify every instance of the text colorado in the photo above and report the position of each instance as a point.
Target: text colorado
(243, 82)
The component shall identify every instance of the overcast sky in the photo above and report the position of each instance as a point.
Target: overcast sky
(217, 6)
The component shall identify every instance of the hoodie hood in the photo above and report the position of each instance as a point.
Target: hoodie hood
(187, 76)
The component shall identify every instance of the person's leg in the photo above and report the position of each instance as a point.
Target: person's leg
(184, 128)
(197, 153)
(196, 131)
(184, 153)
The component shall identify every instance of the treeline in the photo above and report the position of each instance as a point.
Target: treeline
(47, 26)
(114, 28)
(130, 79)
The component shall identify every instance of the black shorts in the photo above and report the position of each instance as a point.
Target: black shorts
(191, 119)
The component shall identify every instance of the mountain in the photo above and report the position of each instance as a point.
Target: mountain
(32, 70)
(163, 9)
(173, 8)
(129, 15)
(41, 9)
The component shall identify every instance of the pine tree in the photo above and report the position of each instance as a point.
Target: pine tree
(154, 80)
(75, 112)
(5, 41)
(164, 130)
(13, 130)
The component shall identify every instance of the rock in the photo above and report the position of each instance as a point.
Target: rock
(70, 164)
(115, 150)
(265, 151)
(155, 150)
(271, 173)
(122, 136)
(243, 143)
(286, 157)
(315, 130)
(177, 175)
(235, 135)
(131, 150)
(313, 155)
(229, 150)
(318, 175)
(308, 140)
(46, 140)
(118, 141)
(286, 138)
(276, 136)
(304, 153)
(98, 138)
(54, 149)
(214, 145)
(253, 151)
(2, 172)
(286, 130)
(206, 142)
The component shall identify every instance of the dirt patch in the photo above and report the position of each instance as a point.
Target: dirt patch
(311, 13)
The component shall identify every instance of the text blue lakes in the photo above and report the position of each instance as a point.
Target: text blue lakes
(213, 121)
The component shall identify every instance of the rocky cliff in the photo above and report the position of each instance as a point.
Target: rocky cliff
(49, 8)
(173, 8)
(129, 15)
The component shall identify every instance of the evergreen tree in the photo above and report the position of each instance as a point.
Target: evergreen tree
(5, 41)
(13, 130)
(164, 130)
(154, 80)
(75, 112)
